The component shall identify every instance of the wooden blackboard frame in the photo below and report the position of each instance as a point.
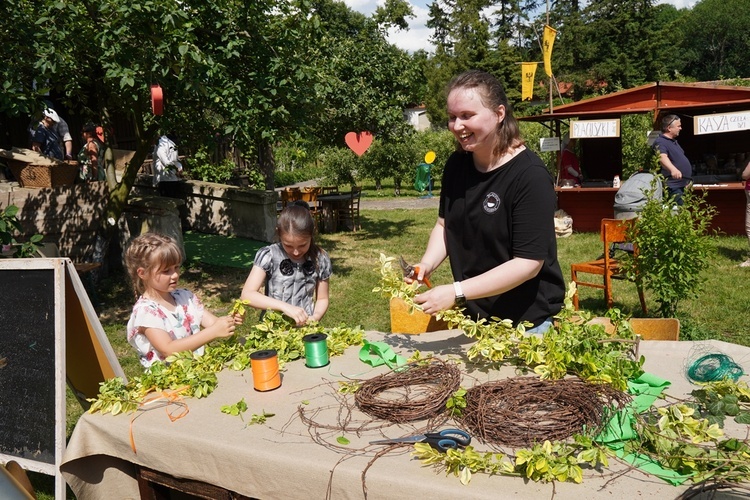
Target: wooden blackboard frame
(82, 355)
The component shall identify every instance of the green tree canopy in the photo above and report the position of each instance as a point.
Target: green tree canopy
(715, 44)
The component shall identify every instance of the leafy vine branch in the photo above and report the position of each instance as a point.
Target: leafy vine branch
(198, 373)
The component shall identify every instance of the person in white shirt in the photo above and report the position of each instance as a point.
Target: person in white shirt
(166, 167)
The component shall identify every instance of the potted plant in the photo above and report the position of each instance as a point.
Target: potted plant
(9, 227)
(406, 316)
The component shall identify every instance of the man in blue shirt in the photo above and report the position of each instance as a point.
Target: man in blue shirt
(674, 164)
(45, 140)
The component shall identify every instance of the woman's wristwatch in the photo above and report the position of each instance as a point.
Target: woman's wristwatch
(460, 299)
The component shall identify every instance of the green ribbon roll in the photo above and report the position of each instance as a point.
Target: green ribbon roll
(316, 350)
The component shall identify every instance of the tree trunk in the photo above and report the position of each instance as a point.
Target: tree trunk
(266, 161)
(119, 192)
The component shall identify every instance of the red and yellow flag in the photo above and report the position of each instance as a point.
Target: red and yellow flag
(528, 70)
(548, 40)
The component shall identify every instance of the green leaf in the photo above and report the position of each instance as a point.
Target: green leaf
(465, 476)
(732, 409)
(342, 440)
(743, 418)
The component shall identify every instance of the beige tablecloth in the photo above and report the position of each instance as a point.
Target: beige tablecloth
(280, 459)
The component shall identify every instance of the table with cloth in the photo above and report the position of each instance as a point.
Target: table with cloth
(330, 205)
(281, 458)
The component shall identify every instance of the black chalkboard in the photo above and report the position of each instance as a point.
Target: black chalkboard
(27, 354)
(49, 334)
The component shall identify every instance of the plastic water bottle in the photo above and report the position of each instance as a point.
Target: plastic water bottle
(616, 181)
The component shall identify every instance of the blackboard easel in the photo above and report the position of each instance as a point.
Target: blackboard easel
(49, 334)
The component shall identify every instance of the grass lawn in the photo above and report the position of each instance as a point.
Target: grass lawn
(720, 311)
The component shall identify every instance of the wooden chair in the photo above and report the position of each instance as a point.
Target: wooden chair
(647, 328)
(310, 196)
(612, 231)
(348, 213)
(289, 195)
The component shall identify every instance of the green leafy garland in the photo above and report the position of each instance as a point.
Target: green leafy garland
(574, 346)
(194, 375)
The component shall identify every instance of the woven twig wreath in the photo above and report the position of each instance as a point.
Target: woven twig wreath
(521, 411)
(414, 393)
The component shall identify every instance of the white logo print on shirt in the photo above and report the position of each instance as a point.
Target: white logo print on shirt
(491, 203)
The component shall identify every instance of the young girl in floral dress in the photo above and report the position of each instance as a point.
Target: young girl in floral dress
(166, 319)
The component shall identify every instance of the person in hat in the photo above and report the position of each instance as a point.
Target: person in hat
(45, 140)
(60, 128)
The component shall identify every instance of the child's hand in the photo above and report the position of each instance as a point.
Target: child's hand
(225, 326)
(238, 317)
(297, 314)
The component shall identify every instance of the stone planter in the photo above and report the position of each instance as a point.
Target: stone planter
(154, 214)
(230, 210)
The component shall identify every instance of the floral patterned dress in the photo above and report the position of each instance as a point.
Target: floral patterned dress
(183, 321)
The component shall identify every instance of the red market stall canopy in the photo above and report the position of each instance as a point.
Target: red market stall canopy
(715, 136)
(654, 97)
(709, 111)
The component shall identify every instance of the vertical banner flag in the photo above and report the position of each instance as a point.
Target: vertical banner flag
(547, 41)
(528, 70)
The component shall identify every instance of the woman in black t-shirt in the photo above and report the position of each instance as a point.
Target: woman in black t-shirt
(496, 216)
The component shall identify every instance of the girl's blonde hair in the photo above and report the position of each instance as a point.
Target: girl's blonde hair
(151, 252)
(492, 94)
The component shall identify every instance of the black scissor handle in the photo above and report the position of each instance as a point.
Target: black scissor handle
(459, 437)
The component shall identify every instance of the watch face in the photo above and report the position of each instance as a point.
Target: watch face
(460, 301)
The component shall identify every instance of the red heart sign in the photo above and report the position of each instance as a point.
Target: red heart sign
(358, 142)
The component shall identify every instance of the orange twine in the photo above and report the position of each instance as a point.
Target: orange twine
(265, 365)
(165, 399)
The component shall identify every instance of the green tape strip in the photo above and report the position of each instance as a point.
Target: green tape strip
(380, 353)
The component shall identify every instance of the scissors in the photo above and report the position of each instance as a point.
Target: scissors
(441, 440)
(412, 272)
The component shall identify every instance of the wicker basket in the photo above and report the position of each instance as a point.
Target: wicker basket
(415, 323)
(30, 175)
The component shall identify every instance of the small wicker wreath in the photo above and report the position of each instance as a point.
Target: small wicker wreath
(417, 392)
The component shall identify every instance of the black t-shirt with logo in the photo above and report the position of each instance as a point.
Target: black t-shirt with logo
(493, 217)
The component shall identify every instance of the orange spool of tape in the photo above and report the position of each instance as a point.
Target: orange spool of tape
(265, 366)
(157, 99)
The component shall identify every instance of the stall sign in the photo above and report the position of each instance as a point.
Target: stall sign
(595, 129)
(720, 123)
(549, 144)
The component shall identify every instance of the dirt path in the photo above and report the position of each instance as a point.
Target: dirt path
(394, 203)
(367, 203)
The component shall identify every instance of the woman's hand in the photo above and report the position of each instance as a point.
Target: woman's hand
(436, 299)
(422, 275)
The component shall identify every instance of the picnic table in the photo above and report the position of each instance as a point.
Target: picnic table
(287, 458)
